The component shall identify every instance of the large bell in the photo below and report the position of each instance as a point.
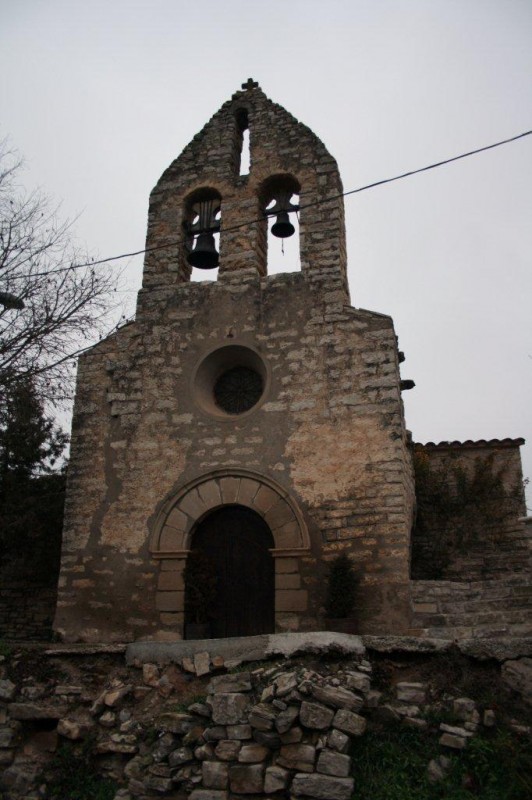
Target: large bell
(205, 254)
(282, 227)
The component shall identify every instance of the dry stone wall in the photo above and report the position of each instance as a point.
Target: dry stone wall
(279, 729)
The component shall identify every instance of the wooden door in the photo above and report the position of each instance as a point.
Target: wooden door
(236, 541)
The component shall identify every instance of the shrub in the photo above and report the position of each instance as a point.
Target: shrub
(341, 588)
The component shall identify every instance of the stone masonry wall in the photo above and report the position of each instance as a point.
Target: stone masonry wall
(483, 609)
(471, 509)
(139, 435)
(328, 431)
(26, 609)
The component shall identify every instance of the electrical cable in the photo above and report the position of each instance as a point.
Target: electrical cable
(307, 205)
(322, 201)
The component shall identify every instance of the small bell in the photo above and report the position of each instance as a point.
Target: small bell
(282, 227)
(205, 254)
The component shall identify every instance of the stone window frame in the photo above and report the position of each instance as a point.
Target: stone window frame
(214, 362)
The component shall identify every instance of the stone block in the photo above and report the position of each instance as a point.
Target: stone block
(227, 749)
(206, 794)
(170, 601)
(180, 756)
(358, 681)
(215, 775)
(202, 664)
(322, 787)
(171, 581)
(315, 716)
(176, 519)
(291, 600)
(229, 709)
(285, 683)
(275, 779)
(193, 505)
(293, 736)
(286, 565)
(279, 515)
(265, 499)
(172, 619)
(286, 719)
(288, 581)
(262, 717)
(338, 741)
(247, 491)
(210, 493)
(253, 753)
(349, 722)
(453, 741)
(411, 692)
(297, 756)
(333, 763)
(337, 697)
(229, 489)
(241, 732)
(247, 779)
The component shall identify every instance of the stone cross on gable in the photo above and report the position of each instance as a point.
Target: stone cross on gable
(250, 84)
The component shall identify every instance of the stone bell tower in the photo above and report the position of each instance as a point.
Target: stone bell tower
(250, 427)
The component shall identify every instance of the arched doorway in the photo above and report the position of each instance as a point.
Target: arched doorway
(232, 544)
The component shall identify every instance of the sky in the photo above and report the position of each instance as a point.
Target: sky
(100, 97)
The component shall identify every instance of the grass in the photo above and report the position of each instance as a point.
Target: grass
(391, 764)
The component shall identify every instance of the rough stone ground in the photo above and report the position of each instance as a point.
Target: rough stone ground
(277, 728)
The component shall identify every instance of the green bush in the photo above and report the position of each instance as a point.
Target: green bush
(341, 588)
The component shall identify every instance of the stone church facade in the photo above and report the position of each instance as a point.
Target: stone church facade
(258, 416)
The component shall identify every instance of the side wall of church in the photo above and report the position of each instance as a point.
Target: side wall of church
(471, 508)
(329, 432)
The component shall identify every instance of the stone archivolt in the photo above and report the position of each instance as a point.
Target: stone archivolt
(182, 512)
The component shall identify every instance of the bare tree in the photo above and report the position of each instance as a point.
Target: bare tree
(53, 303)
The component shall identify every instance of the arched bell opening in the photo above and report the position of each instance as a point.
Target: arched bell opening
(230, 576)
(279, 196)
(242, 143)
(201, 223)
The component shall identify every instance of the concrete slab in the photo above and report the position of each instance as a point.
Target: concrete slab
(248, 648)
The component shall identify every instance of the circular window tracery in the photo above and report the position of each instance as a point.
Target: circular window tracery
(230, 381)
(238, 389)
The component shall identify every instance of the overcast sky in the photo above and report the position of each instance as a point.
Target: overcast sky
(100, 97)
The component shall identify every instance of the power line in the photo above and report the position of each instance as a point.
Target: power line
(309, 205)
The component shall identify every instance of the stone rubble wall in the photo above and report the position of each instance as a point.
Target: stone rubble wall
(275, 730)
